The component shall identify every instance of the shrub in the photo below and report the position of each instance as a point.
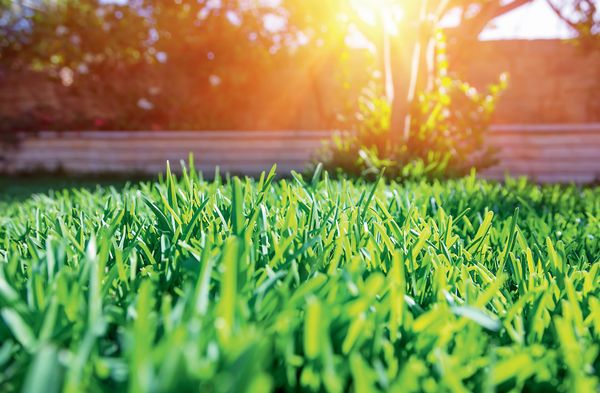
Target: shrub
(447, 137)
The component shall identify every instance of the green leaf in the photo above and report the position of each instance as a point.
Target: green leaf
(21, 331)
(478, 316)
(44, 374)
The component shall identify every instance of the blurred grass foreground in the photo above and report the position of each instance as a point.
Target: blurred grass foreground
(306, 284)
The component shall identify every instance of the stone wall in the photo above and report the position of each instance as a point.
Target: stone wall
(285, 98)
(30, 98)
(550, 82)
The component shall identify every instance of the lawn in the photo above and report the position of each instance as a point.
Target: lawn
(301, 284)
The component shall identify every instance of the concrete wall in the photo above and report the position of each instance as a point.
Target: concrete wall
(546, 153)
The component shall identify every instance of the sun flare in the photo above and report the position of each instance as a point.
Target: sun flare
(379, 12)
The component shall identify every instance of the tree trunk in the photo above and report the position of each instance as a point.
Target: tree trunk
(413, 52)
(408, 54)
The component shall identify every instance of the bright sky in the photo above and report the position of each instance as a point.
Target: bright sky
(532, 21)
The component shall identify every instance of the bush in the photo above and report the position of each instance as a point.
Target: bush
(447, 138)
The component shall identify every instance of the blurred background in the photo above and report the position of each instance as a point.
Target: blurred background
(117, 86)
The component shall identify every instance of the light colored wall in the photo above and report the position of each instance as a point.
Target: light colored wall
(546, 153)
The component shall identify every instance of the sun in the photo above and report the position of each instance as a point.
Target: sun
(379, 12)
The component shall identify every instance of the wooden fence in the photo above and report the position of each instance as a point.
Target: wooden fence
(546, 153)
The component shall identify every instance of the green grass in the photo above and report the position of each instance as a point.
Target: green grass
(301, 285)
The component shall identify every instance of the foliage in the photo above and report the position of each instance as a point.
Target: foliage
(303, 284)
(71, 37)
(351, 150)
(447, 138)
(175, 65)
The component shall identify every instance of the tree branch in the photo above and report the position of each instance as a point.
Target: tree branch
(509, 7)
(559, 13)
(473, 26)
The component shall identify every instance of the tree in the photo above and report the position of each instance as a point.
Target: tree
(189, 62)
(74, 34)
(406, 59)
(413, 48)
